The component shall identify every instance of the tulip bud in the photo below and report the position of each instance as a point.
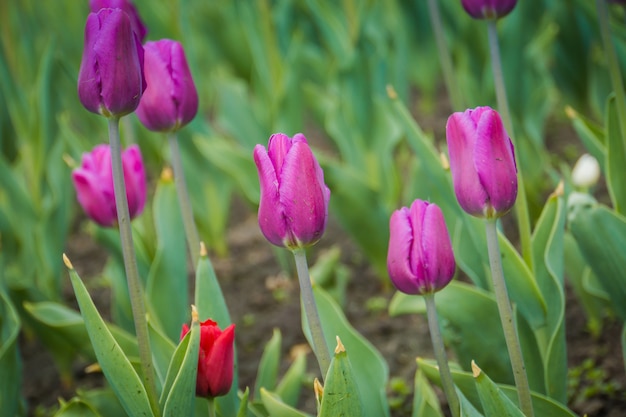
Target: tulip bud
(488, 9)
(586, 171)
(93, 182)
(110, 80)
(294, 198)
(215, 359)
(129, 8)
(170, 100)
(482, 162)
(420, 258)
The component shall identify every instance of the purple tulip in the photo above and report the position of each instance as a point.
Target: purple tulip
(129, 8)
(488, 9)
(93, 181)
(420, 258)
(110, 80)
(170, 100)
(482, 162)
(294, 198)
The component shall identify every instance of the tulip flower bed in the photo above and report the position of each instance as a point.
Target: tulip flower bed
(297, 209)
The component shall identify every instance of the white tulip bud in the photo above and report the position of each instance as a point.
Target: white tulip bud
(586, 171)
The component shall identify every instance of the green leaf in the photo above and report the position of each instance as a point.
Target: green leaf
(543, 406)
(341, 392)
(162, 351)
(624, 343)
(376, 373)
(276, 408)
(495, 403)
(615, 157)
(76, 408)
(167, 286)
(243, 407)
(591, 135)
(10, 362)
(548, 251)
(180, 383)
(103, 401)
(425, 400)
(290, 385)
(115, 365)
(267, 372)
(601, 237)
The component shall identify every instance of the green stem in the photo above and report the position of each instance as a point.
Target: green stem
(440, 354)
(506, 317)
(521, 207)
(130, 264)
(212, 407)
(193, 240)
(444, 56)
(320, 348)
(614, 69)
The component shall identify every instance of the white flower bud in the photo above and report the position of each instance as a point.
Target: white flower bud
(586, 171)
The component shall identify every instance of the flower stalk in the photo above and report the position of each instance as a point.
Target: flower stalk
(521, 208)
(507, 319)
(184, 201)
(320, 348)
(440, 354)
(130, 265)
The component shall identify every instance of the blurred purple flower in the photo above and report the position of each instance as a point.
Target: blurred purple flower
(488, 9)
(93, 182)
(170, 100)
(129, 8)
(482, 162)
(294, 198)
(420, 258)
(110, 80)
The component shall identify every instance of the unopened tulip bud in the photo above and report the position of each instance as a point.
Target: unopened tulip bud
(482, 162)
(129, 8)
(586, 171)
(294, 198)
(488, 9)
(216, 359)
(110, 80)
(420, 258)
(170, 100)
(93, 182)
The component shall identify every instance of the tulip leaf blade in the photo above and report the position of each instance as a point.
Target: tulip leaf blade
(180, 392)
(267, 372)
(76, 407)
(10, 362)
(425, 400)
(615, 156)
(167, 283)
(290, 385)
(341, 390)
(493, 400)
(334, 323)
(464, 381)
(116, 367)
(276, 408)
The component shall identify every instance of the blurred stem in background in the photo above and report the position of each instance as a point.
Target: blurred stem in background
(613, 64)
(507, 319)
(521, 207)
(130, 264)
(444, 57)
(193, 240)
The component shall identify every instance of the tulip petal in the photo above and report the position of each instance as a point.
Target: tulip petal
(89, 82)
(185, 95)
(271, 213)
(461, 139)
(398, 255)
(135, 179)
(438, 261)
(94, 199)
(302, 195)
(220, 362)
(495, 162)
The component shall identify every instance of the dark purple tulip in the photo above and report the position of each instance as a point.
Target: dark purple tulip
(110, 80)
(420, 258)
(127, 6)
(294, 198)
(170, 100)
(488, 9)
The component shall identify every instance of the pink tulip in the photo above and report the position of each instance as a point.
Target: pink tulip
(170, 100)
(93, 181)
(488, 9)
(294, 198)
(215, 360)
(420, 258)
(482, 162)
